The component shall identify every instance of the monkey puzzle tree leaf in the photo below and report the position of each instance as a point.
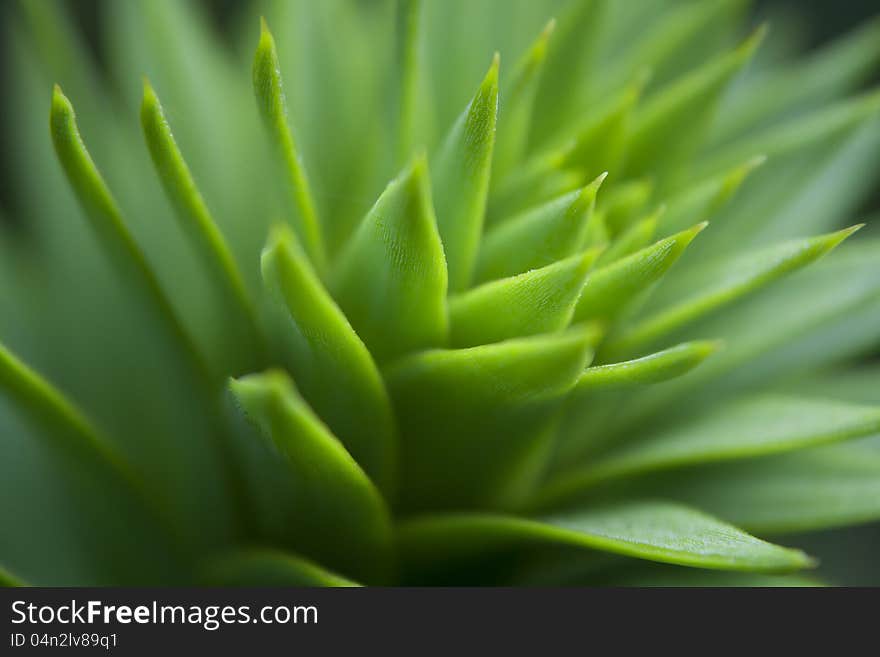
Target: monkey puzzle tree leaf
(538, 237)
(610, 289)
(391, 279)
(656, 367)
(816, 489)
(273, 107)
(131, 517)
(45, 405)
(751, 427)
(336, 511)
(822, 125)
(538, 301)
(655, 531)
(460, 176)
(518, 94)
(671, 38)
(106, 220)
(409, 17)
(443, 337)
(702, 201)
(570, 54)
(736, 280)
(838, 67)
(193, 213)
(600, 142)
(334, 368)
(670, 126)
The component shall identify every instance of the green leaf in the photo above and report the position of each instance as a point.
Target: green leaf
(605, 392)
(609, 290)
(538, 237)
(474, 423)
(460, 177)
(539, 180)
(267, 567)
(518, 99)
(334, 368)
(636, 237)
(822, 125)
(273, 107)
(671, 125)
(737, 279)
(569, 60)
(45, 406)
(822, 315)
(816, 489)
(193, 214)
(654, 368)
(409, 19)
(625, 202)
(115, 509)
(673, 37)
(538, 301)
(806, 82)
(655, 531)
(391, 279)
(702, 201)
(807, 187)
(743, 429)
(336, 514)
(106, 221)
(859, 384)
(600, 141)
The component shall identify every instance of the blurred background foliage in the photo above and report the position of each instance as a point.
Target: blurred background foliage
(796, 25)
(808, 24)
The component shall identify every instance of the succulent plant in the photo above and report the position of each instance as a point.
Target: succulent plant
(501, 366)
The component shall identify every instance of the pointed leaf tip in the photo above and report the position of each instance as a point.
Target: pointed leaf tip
(670, 127)
(196, 220)
(147, 88)
(271, 101)
(696, 230)
(610, 289)
(394, 267)
(839, 236)
(735, 279)
(496, 64)
(538, 237)
(460, 176)
(106, 221)
(334, 368)
(653, 368)
(538, 301)
(644, 529)
(62, 108)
